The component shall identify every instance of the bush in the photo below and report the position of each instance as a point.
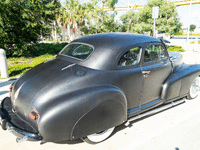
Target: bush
(179, 33)
(32, 50)
(22, 60)
(194, 42)
(175, 48)
(45, 48)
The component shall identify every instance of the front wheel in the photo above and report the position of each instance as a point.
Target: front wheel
(98, 137)
(194, 89)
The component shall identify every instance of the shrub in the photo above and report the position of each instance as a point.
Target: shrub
(194, 42)
(175, 48)
(32, 50)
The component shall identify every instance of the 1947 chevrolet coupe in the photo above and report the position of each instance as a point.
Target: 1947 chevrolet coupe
(96, 83)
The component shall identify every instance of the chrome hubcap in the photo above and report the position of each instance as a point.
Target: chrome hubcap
(194, 89)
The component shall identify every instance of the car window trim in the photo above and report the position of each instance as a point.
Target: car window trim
(157, 61)
(123, 52)
(77, 59)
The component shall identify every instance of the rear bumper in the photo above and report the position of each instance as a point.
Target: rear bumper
(7, 124)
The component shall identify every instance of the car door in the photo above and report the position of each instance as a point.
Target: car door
(131, 78)
(156, 67)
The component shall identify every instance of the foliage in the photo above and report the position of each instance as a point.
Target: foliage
(23, 22)
(39, 53)
(71, 16)
(192, 27)
(142, 21)
(97, 19)
(19, 65)
(38, 49)
(194, 42)
(175, 48)
(181, 32)
(128, 20)
(184, 34)
(45, 48)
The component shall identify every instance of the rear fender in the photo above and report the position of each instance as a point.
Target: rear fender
(83, 112)
(178, 84)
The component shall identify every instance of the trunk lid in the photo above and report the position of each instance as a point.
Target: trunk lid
(29, 85)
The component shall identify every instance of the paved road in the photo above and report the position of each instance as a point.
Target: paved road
(177, 128)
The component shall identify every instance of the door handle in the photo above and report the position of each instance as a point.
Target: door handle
(146, 73)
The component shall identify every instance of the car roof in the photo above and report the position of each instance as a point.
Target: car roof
(114, 38)
(108, 46)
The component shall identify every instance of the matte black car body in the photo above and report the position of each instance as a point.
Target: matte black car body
(74, 98)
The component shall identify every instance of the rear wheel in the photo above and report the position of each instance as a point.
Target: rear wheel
(98, 137)
(194, 89)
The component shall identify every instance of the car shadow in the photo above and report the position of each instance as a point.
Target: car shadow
(4, 83)
(3, 92)
(77, 141)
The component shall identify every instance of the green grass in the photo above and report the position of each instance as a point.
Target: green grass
(18, 66)
(31, 57)
(186, 35)
(194, 42)
(175, 48)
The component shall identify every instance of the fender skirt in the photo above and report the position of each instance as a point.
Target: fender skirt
(83, 112)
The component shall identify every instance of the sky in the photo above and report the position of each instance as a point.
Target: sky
(183, 11)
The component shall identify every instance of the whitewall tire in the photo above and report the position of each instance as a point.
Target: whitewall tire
(98, 137)
(194, 88)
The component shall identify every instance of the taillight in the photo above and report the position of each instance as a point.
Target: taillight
(34, 115)
(10, 88)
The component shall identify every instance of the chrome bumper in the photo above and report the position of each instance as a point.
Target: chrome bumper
(21, 134)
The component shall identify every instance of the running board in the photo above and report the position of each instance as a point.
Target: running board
(155, 111)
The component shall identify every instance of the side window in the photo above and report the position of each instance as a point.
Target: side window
(154, 53)
(131, 57)
(80, 51)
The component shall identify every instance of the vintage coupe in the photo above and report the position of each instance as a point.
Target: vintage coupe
(96, 83)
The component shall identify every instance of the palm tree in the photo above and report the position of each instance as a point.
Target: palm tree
(75, 18)
(72, 17)
(62, 19)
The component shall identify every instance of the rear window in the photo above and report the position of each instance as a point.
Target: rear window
(80, 51)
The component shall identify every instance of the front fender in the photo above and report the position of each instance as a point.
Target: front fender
(83, 112)
(178, 83)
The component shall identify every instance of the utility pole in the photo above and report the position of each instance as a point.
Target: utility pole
(155, 11)
(189, 24)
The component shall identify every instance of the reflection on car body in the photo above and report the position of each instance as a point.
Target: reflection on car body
(96, 83)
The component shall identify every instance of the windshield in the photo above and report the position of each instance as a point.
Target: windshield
(80, 51)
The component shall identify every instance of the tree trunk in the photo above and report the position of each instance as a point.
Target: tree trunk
(52, 33)
(70, 33)
(151, 33)
(78, 33)
(63, 33)
(56, 38)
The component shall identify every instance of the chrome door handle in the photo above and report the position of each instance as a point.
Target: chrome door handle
(146, 73)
